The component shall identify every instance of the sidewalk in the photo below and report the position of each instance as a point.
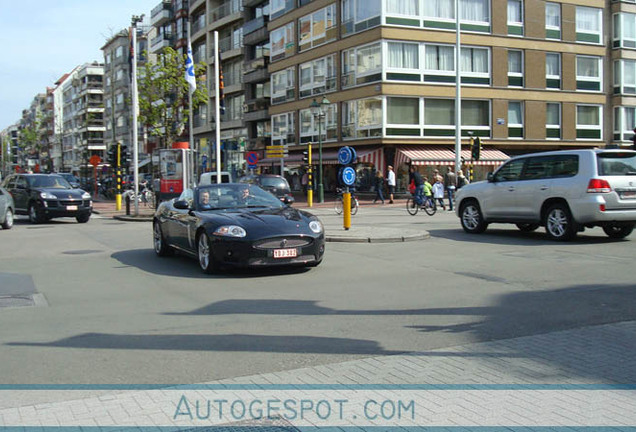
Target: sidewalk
(359, 232)
(565, 380)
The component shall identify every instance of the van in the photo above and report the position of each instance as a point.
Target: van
(210, 178)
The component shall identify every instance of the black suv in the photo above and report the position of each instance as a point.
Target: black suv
(274, 184)
(46, 196)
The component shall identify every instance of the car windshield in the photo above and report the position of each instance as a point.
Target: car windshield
(617, 163)
(232, 195)
(70, 178)
(49, 182)
(275, 182)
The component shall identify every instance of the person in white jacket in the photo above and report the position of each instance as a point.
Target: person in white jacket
(438, 192)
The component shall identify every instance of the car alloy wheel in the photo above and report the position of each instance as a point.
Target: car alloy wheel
(558, 223)
(34, 216)
(160, 245)
(471, 218)
(8, 220)
(206, 261)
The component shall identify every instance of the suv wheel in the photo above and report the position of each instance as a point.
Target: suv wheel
(471, 218)
(558, 223)
(618, 231)
(527, 227)
(34, 215)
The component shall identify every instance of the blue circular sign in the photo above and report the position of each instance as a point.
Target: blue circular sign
(344, 155)
(349, 176)
(354, 155)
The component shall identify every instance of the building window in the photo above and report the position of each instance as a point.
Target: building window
(283, 129)
(439, 13)
(317, 28)
(439, 117)
(317, 76)
(362, 65)
(119, 51)
(119, 99)
(282, 42)
(553, 121)
(475, 66)
(588, 73)
(439, 63)
(624, 123)
(625, 77)
(588, 122)
(360, 15)
(624, 30)
(402, 12)
(309, 125)
(403, 116)
(552, 20)
(283, 86)
(515, 17)
(233, 73)
(515, 68)
(233, 108)
(476, 117)
(403, 61)
(553, 70)
(588, 24)
(475, 12)
(515, 119)
(362, 118)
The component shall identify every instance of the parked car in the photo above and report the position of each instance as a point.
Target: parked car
(7, 209)
(237, 225)
(71, 179)
(565, 191)
(46, 196)
(274, 184)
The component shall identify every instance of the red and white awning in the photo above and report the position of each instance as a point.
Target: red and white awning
(374, 156)
(434, 155)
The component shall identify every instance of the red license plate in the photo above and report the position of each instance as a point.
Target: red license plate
(285, 253)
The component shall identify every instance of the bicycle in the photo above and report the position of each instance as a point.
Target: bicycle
(339, 205)
(412, 205)
(146, 197)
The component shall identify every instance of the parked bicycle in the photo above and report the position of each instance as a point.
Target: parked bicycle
(414, 204)
(146, 195)
(339, 205)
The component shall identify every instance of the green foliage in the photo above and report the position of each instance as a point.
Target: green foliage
(163, 95)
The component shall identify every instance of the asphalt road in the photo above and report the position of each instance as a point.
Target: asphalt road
(115, 313)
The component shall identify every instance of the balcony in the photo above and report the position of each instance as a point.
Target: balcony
(161, 14)
(160, 42)
(257, 36)
(258, 75)
(225, 14)
(253, 25)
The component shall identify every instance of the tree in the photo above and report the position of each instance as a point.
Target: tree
(163, 95)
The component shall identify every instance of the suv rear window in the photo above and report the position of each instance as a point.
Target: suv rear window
(277, 182)
(616, 163)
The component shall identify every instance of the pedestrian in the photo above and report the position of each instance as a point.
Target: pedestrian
(438, 192)
(428, 191)
(450, 182)
(390, 181)
(436, 176)
(418, 182)
(304, 182)
(461, 179)
(379, 185)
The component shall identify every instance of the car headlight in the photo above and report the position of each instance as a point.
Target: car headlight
(86, 196)
(230, 231)
(47, 195)
(315, 226)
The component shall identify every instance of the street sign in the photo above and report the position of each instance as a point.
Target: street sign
(251, 158)
(95, 160)
(348, 176)
(276, 151)
(345, 156)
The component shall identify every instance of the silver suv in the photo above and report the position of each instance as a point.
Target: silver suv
(565, 191)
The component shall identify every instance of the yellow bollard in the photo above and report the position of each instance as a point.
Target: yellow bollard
(346, 210)
(118, 202)
(310, 197)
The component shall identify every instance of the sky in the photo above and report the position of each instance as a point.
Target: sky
(41, 40)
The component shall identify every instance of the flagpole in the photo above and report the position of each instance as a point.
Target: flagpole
(458, 93)
(217, 107)
(135, 110)
(194, 165)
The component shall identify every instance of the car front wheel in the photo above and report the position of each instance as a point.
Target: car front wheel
(618, 231)
(471, 218)
(34, 215)
(8, 220)
(559, 224)
(159, 242)
(204, 252)
(83, 218)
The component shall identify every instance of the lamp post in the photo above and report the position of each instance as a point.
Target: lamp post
(319, 111)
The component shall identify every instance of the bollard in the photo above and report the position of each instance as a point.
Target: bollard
(128, 205)
(346, 210)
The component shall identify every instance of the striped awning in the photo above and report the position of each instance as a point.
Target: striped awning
(434, 155)
(374, 156)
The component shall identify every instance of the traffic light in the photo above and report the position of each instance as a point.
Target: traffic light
(112, 155)
(307, 156)
(124, 156)
(476, 148)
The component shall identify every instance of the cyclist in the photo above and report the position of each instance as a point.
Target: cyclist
(419, 185)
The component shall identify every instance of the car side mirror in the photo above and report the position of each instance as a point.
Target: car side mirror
(289, 200)
(181, 205)
(491, 177)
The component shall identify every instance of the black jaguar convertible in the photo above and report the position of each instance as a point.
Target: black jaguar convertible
(237, 225)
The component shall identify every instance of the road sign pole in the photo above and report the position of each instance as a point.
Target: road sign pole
(310, 180)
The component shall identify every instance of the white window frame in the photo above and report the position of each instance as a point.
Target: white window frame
(517, 74)
(451, 72)
(598, 79)
(385, 55)
(598, 127)
(516, 125)
(621, 125)
(520, 5)
(477, 74)
(547, 76)
(554, 126)
(385, 117)
(619, 76)
(313, 87)
(312, 38)
(554, 6)
(599, 21)
(287, 30)
(438, 126)
(438, 18)
(618, 35)
(289, 79)
(330, 122)
(288, 119)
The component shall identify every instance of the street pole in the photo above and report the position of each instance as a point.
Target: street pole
(135, 109)
(458, 91)
(321, 186)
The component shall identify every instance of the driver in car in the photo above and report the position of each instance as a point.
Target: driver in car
(245, 198)
(204, 200)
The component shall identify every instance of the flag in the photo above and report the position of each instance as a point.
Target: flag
(131, 53)
(221, 95)
(189, 70)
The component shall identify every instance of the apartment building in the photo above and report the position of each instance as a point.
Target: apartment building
(117, 91)
(83, 117)
(534, 75)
